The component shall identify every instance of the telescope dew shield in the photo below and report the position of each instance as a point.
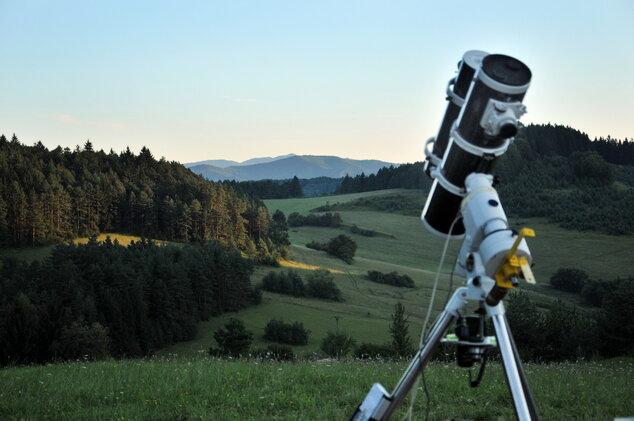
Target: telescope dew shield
(481, 133)
(470, 63)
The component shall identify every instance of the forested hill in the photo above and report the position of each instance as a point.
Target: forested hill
(47, 196)
(549, 171)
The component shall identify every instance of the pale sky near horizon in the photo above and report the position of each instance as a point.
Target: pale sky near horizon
(196, 80)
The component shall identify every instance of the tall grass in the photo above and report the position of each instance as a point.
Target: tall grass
(207, 389)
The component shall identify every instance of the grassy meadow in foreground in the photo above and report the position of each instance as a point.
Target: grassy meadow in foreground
(218, 390)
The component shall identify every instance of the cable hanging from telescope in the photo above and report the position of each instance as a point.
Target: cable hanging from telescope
(423, 333)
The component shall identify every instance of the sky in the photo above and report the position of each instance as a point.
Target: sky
(197, 80)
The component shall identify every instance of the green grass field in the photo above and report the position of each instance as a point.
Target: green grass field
(217, 390)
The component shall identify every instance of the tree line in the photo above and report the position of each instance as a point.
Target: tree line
(49, 196)
(103, 299)
(549, 171)
(269, 189)
(319, 284)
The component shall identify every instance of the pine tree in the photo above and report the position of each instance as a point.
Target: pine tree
(399, 330)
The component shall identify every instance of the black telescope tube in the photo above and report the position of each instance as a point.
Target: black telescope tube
(467, 68)
(501, 78)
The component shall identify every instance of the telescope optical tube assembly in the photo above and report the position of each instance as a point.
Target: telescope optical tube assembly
(482, 132)
(457, 90)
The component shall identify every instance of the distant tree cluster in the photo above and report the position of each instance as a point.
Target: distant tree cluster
(392, 278)
(326, 220)
(269, 189)
(340, 246)
(319, 284)
(103, 299)
(405, 176)
(286, 333)
(47, 197)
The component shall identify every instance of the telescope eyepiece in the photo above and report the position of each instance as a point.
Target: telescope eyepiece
(508, 129)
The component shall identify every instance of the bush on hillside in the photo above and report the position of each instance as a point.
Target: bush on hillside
(391, 278)
(317, 246)
(286, 333)
(321, 284)
(569, 279)
(233, 339)
(337, 345)
(342, 247)
(82, 341)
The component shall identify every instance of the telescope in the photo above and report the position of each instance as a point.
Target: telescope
(481, 119)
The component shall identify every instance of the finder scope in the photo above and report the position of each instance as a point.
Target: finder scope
(485, 104)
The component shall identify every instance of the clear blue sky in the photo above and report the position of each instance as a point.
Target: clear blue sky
(196, 80)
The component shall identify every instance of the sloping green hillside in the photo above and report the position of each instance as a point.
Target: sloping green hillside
(411, 250)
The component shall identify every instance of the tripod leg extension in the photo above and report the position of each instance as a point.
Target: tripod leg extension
(516, 379)
(416, 366)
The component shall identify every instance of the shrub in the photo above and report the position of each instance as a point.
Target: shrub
(342, 247)
(82, 341)
(391, 278)
(321, 284)
(317, 246)
(293, 334)
(569, 279)
(366, 233)
(233, 339)
(337, 345)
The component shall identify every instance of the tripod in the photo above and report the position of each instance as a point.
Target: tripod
(492, 259)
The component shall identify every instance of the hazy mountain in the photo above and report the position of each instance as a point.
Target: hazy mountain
(302, 166)
(224, 163)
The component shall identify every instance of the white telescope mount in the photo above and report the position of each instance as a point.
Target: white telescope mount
(492, 259)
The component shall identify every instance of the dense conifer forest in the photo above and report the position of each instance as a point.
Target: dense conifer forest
(50, 196)
(100, 299)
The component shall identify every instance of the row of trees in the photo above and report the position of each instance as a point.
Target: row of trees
(327, 219)
(269, 189)
(319, 284)
(103, 299)
(47, 197)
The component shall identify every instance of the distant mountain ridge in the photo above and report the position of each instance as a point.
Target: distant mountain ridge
(224, 163)
(285, 167)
